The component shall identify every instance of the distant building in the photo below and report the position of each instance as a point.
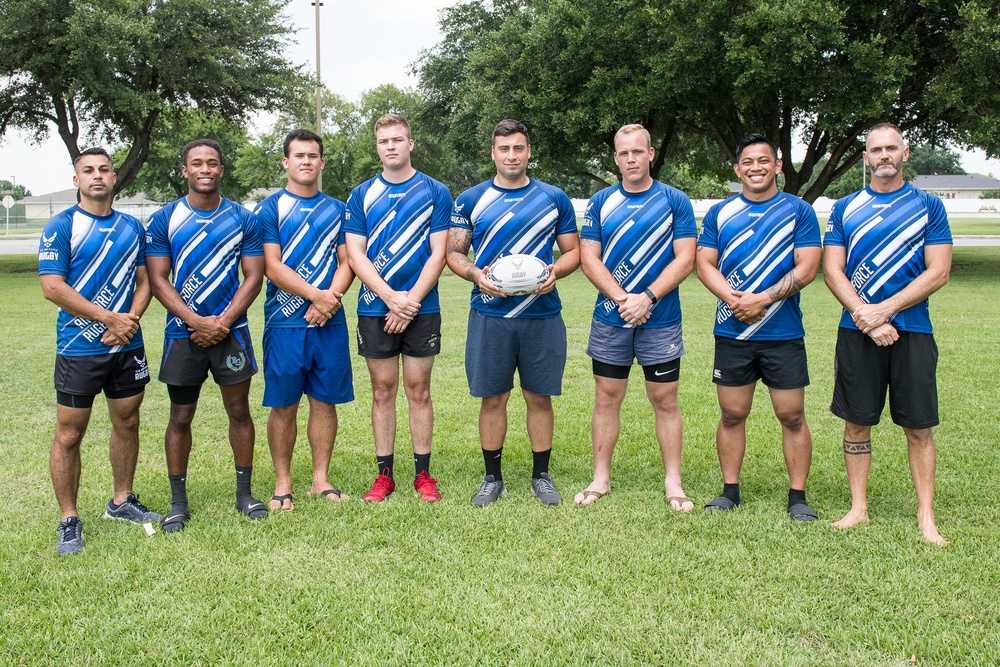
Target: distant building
(956, 186)
(38, 209)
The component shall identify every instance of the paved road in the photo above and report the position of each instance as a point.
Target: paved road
(27, 245)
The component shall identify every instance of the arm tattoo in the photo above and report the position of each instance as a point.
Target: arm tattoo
(856, 448)
(459, 241)
(786, 287)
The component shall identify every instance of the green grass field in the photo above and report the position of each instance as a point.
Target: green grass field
(623, 582)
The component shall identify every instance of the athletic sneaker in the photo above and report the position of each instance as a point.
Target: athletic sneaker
(131, 510)
(489, 491)
(381, 488)
(545, 490)
(426, 487)
(70, 533)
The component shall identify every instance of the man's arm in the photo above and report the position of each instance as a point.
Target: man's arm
(398, 303)
(459, 242)
(568, 262)
(142, 294)
(750, 306)
(634, 308)
(206, 328)
(707, 263)
(120, 326)
(597, 272)
(246, 293)
(937, 259)
(835, 277)
(324, 302)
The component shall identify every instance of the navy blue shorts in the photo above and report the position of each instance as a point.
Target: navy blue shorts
(231, 360)
(618, 346)
(314, 361)
(497, 346)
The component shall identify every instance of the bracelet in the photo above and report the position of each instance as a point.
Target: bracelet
(652, 297)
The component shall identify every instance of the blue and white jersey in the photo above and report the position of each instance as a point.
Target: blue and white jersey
(756, 242)
(637, 231)
(398, 219)
(308, 232)
(508, 222)
(97, 255)
(884, 235)
(205, 248)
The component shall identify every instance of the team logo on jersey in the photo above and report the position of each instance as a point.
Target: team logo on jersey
(143, 370)
(48, 254)
(49, 240)
(459, 207)
(234, 363)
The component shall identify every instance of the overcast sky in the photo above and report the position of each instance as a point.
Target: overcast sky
(363, 45)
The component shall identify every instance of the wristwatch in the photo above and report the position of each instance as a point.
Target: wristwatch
(652, 297)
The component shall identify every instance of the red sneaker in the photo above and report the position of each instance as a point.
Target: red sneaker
(381, 488)
(426, 487)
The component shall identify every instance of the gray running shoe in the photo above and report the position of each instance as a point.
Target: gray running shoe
(489, 491)
(132, 510)
(545, 490)
(70, 536)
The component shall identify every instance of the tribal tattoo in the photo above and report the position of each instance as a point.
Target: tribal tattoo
(786, 287)
(857, 448)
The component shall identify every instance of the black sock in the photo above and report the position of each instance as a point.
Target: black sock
(384, 464)
(178, 491)
(492, 461)
(540, 463)
(732, 491)
(796, 496)
(243, 474)
(422, 463)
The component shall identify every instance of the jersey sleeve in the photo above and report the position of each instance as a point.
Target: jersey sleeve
(443, 207)
(354, 216)
(938, 231)
(592, 220)
(157, 242)
(684, 224)
(834, 235)
(267, 215)
(462, 211)
(567, 214)
(806, 226)
(710, 229)
(253, 237)
(342, 212)
(54, 248)
(140, 233)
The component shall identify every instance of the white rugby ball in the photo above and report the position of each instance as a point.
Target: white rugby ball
(517, 275)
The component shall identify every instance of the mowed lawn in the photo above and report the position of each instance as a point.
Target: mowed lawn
(623, 582)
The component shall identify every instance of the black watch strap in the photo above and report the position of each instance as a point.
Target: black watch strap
(648, 292)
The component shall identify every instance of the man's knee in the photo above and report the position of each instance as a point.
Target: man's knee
(919, 437)
(792, 420)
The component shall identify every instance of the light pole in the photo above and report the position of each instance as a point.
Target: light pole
(319, 87)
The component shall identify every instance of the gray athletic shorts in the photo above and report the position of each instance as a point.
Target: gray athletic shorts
(618, 346)
(496, 346)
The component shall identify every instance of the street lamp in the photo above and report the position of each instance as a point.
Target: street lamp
(319, 87)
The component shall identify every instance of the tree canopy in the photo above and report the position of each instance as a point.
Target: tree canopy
(811, 73)
(108, 71)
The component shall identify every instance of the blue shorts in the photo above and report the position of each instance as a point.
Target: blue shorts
(315, 361)
(618, 346)
(496, 346)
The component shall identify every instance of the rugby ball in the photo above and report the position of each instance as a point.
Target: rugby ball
(517, 275)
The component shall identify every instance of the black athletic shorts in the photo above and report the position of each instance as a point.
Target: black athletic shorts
(422, 338)
(231, 360)
(781, 364)
(119, 375)
(863, 371)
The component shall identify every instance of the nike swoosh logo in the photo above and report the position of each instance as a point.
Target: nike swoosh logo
(659, 374)
(254, 505)
(173, 516)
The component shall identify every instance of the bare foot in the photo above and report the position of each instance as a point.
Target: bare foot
(592, 494)
(331, 494)
(281, 501)
(851, 519)
(931, 533)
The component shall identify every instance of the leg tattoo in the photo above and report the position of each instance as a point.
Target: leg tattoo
(855, 448)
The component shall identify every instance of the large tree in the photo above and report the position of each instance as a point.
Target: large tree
(810, 74)
(107, 71)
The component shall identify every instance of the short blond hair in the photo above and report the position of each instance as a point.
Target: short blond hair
(629, 129)
(393, 119)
